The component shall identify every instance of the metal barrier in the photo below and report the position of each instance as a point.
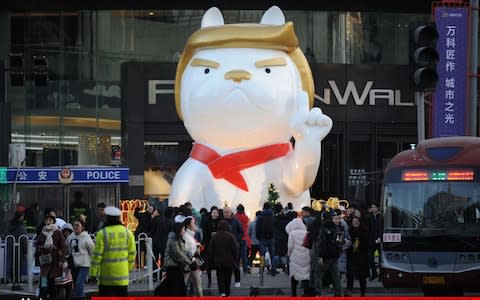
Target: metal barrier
(17, 261)
(145, 254)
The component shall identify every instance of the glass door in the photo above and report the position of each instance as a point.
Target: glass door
(83, 200)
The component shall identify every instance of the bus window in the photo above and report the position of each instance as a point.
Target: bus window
(449, 207)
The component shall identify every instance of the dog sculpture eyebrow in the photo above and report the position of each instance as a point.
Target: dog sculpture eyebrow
(200, 62)
(276, 61)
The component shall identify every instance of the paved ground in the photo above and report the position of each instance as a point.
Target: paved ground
(272, 285)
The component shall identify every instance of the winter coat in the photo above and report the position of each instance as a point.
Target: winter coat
(176, 254)
(236, 228)
(223, 250)
(80, 246)
(55, 269)
(376, 228)
(144, 220)
(209, 229)
(308, 220)
(158, 231)
(264, 226)
(251, 232)
(244, 221)
(357, 257)
(190, 242)
(342, 260)
(327, 247)
(280, 236)
(299, 255)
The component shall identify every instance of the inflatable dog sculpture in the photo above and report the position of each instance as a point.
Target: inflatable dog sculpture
(243, 91)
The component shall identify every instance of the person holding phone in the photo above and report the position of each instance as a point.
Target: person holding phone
(80, 246)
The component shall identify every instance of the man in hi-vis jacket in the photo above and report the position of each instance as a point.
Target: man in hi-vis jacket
(114, 255)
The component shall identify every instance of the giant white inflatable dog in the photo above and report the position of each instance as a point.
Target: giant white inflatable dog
(243, 91)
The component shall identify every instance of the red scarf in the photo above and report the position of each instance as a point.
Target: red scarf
(229, 166)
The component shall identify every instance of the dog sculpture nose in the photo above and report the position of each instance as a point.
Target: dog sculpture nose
(238, 75)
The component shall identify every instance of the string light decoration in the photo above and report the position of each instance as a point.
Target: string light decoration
(98, 148)
(273, 194)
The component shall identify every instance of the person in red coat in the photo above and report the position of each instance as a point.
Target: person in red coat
(50, 242)
(246, 243)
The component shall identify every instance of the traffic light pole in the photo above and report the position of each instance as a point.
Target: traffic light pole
(474, 67)
(420, 102)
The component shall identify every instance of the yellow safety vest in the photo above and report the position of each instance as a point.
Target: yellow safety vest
(114, 255)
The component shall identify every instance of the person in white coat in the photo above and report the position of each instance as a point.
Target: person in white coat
(80, 246)
(193, 251)
(298, 254)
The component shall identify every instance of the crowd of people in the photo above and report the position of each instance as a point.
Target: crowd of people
(314, 248)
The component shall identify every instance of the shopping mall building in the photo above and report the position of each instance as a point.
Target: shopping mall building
(108, 99)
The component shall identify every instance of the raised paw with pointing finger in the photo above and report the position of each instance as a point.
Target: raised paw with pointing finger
(309, 123)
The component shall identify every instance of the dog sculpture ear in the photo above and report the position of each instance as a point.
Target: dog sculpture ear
(213, 17)
(273, 16)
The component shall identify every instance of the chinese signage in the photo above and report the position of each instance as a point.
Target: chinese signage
(66, 175)
(450, 96)
(392, 237)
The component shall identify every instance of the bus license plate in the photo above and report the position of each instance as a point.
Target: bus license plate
(431, 280)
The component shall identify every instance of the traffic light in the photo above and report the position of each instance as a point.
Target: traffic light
(425, 58)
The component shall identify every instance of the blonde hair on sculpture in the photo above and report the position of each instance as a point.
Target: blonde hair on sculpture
(277, 37)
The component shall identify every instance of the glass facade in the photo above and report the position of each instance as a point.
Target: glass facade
(75, 118)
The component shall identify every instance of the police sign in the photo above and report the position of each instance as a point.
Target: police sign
(75, 175)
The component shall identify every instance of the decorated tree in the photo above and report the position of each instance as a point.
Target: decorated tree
(273, 194)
